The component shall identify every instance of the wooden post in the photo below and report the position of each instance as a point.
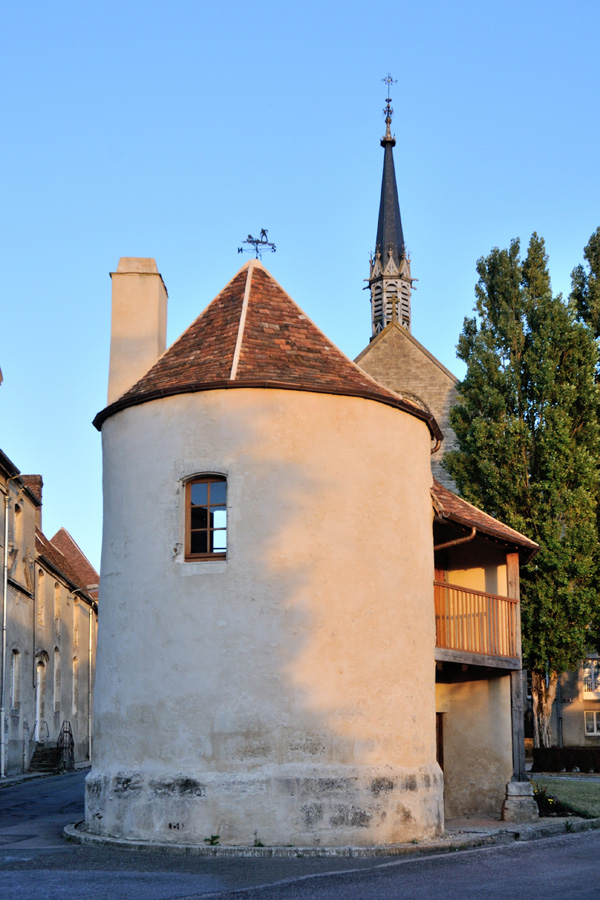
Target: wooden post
(516, 678)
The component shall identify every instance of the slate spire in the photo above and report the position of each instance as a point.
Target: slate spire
(390, 240)
(389, 280)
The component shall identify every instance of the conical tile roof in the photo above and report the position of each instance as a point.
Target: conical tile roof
(254, 335)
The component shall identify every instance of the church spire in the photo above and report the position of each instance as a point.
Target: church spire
(389, 282)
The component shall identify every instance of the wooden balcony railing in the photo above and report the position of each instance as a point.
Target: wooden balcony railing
(475, 622)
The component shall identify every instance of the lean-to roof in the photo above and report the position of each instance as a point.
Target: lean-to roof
(453, 508)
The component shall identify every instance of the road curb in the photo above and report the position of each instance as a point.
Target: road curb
(451, 843)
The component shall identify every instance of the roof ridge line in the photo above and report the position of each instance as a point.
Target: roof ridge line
(242, 324)
(329, 341)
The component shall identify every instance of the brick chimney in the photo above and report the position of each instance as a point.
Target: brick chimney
(139, 322)
(35, 484)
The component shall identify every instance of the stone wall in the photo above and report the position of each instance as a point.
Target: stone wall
(398, 361)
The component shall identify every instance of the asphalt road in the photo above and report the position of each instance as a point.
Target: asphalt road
(35, 861)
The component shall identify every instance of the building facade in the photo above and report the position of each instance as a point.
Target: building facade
(49, 605)
(575, 720)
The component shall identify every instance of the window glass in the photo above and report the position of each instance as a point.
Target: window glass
(592, 722)
(220, 541)
(206, 518)
(199, 516)
(591, 677)
(199, 492)
(219, 518)
(218, 492)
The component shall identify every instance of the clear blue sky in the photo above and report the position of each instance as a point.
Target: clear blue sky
(173, 130)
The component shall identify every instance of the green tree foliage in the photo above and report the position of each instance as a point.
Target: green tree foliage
(528, 437)
(586, 285)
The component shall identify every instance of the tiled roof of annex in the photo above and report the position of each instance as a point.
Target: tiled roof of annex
(452, 507)
(58, 561)
(254, 335)
(80, 565)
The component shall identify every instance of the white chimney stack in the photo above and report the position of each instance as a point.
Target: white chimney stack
(139, 323)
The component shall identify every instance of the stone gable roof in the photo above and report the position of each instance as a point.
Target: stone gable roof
(455, 509)
(254, 335)
(395, 331)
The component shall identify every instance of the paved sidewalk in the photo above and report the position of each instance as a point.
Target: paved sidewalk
(31, 776)
(460, 834)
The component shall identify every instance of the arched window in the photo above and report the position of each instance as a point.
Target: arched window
(206, 518)
(56, 679)
(15, 679)
(18, 526)
(57, 610)
(40, 699)
(75, 685)
(41, 598)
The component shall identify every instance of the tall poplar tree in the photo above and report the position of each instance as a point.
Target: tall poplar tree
(585, 283)
(529, 452)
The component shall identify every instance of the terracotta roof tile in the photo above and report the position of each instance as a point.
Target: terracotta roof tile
(452, 507)
(78, 562)
(57, 559)
(254, 335)
(35, 484)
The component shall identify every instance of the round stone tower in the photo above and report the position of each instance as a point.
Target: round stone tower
(265, 666)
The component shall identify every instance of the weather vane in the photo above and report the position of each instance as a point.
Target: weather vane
(260, 244)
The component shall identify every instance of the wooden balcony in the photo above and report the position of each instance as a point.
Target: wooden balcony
(476, 628)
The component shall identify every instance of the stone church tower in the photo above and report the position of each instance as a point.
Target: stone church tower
(390, 283)
(393, 356)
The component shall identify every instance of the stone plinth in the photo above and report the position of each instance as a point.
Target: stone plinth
(519, 804)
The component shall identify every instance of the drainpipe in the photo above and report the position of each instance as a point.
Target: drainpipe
(3, 662)
(454, 543)
(559, 715)
(90, 684)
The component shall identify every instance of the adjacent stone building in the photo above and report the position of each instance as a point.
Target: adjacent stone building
(49, 600)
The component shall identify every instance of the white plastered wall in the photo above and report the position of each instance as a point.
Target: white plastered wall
(477, 744)
(289, 690)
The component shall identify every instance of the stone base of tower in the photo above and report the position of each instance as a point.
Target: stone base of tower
(293, 805)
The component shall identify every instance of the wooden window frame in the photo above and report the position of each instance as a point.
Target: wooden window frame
(593, 665)
(595, 714)
(202, 479)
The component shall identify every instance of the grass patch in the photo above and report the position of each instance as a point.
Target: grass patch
(583, 797)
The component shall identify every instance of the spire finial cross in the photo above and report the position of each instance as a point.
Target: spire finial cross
(388, 111)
